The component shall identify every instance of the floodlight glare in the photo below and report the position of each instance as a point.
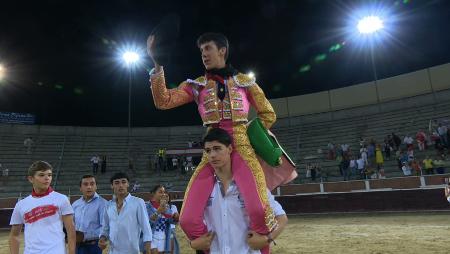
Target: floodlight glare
(130, 57)
(370, 24)
(2, 72)
(251, 74)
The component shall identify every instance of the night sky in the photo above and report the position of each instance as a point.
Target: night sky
(63, 57)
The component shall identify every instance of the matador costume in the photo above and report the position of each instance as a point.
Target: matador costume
(224, 97)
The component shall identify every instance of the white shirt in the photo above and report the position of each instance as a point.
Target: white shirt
(227, 217)
(352, 164)
(43, 222)
(442, 130)
(406, 170)
(360, 163)
(174, 210)
(408, 140)
(124, 229)
(95, 159)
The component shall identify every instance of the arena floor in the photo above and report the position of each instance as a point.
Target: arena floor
(354, 233)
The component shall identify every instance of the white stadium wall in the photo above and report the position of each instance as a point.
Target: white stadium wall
(384, 91)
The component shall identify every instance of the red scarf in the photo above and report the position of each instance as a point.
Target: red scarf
(35, 195)
(216, 78)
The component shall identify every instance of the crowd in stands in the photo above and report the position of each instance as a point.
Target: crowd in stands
(368, 161)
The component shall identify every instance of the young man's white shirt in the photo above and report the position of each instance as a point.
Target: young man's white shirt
(42, 217)
(227, 217)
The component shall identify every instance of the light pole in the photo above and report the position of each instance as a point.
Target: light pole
(369, 26)
(130, 58)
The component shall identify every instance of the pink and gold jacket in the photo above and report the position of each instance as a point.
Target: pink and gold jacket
(242, 92)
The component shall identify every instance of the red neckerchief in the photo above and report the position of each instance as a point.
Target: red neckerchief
(156, 205)
(215, 77)
(35, 195)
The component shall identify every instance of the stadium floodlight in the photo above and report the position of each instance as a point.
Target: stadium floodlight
(2, 72)
(370, 24)
(130, 57)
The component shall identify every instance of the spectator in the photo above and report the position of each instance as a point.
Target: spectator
(370, 173)
(174, 246)
(442, 131)
(95, 160)
(161, 159)
(391, 142)
(5, 174)
(45, 212)
(406, 169)
(404, 157)
(433, 126)
(408, 141)
(189, 164)
(88, 216)
(345, 149)
(103, 165)
(362, 142)
(397, 141)
(136, 186)
(5, 171)
(28, 143)
(161, 217)
(447, 189)
(361, 164)
(379, 158)
(168, 186)
(331, 151)
(131, 168)
(363, 155)
(415, 166)
(428, 165)
(125, 220)
(339, 160)
(371, 150)
(345, 167)
(175, 163)
(438, 163)
(320, 172)
(421, 140)
(308, 170)
(353, 167)
(387, 149)
(410, 154)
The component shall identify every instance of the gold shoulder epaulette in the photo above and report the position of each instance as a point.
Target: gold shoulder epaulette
(201, 81)
(244, 80)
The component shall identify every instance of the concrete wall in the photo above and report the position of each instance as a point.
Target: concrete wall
(393, 89)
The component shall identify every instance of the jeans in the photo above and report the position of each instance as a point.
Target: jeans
(88, 249)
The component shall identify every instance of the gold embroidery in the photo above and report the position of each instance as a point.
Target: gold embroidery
(243, 147)
(262, 105)
(212, 114)
(237, 105)
(244, 80)
(168, 98)
(201, 80)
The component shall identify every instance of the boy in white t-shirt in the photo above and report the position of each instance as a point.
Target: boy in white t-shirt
(43, 212)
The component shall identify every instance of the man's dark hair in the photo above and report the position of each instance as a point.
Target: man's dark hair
(219, 39)
(87, 176)
(219, 135)
(119, 175)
